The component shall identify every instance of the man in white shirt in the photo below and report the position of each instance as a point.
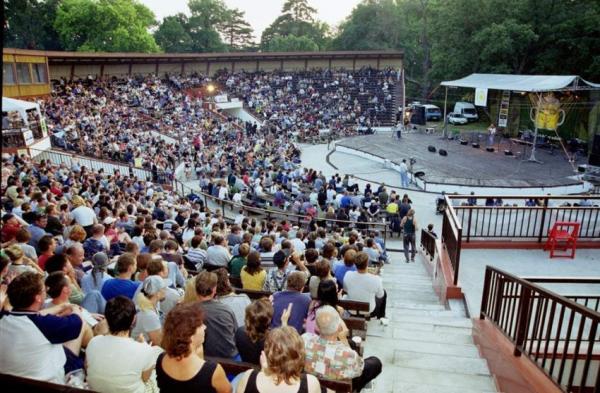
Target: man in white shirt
(404, 174)
(218, 255)
(366, 287)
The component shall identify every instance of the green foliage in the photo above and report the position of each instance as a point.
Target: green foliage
(207, 16)
(291, 43)
(297, 20)
(172, 35)
(105, 25)
(28, 24)
(237, 31)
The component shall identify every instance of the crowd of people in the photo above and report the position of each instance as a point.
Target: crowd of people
(143, 279)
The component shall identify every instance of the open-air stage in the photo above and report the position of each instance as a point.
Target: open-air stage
(466, 168)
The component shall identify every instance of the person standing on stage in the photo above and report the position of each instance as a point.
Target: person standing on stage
(404, 174)
(491, 133)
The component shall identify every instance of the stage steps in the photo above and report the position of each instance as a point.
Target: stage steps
(427, 347)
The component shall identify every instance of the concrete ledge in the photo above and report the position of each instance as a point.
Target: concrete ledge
(442, 275)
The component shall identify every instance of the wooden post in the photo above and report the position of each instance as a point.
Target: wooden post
(522, 319)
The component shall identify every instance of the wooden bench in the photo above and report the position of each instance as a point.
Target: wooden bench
(233, 367)
(12, 383)
(355, 308)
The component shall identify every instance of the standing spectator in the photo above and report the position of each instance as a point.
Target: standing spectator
(182, 368)
(292, 295)
(116, 362)
(220, 319)
(250, 337)
(409, 229)
(404, 174)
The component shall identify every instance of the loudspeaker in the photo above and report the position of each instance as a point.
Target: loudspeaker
(418, 115)
(490, 149)
(431, 148)
(596, 144)
(475, 145)
(508, 153)
(594, 159)
(581, 168)
(464, 142)
(443, 152)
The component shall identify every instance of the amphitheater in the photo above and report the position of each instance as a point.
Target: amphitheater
(483, 308)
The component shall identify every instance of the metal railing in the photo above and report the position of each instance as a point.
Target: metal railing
(526, 222)
(274, 213)
(558, 334)
(428, 243)
(452, 239)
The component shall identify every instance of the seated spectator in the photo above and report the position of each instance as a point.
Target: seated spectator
(22, 238)
(252, 275)
(372, 251)
(147, 319)
(76, 235)
(116, 362)
(292, 295)
(282, 366)
(363, 286)
(322, 273)
(348, 266)
(83, 215)
(327, 295)
(171, 253)
(10, 227)
(60, 263)
(19, 263)
(95, 278)
(329, 354)
(76, 255)
(37, 229)
(156, 267)
(195, 254)
(431, 232)
(276, 279)
(40, 344)
(226, 295)
(46, 248)
(182, 368)
(122, 284)
(96, 243)
(217, 255)
(250, 337)
(238, 262)
(220, 321)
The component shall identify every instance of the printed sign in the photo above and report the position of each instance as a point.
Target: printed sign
(481, 96)
(28, 137)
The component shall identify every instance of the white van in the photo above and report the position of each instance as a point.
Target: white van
(466, 109)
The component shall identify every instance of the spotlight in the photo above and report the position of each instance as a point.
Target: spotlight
(210, 88)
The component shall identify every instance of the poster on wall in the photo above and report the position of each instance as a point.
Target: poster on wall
(481, 96)
(222, 98)
(28, 137)
(44, 127)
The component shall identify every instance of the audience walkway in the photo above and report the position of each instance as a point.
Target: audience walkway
(426, 348)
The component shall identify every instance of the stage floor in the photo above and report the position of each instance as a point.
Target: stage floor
(468, 166)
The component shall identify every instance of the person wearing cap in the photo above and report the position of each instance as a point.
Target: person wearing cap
(148, 320)
(95, 278)
(276, 279)
(37, 229)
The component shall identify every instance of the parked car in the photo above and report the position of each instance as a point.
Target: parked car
(432, 112)
(466, 109)
(457, 118)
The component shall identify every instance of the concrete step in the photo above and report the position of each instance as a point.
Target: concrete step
(421, 388)
(411, 305)
(430, 328)
(407, 294)
(462, 350)
(456, 337)
(454, 321)
(439, 362)
(405, 376)
(429, 313)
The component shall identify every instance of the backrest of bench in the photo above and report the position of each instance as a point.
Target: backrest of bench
(12, 383)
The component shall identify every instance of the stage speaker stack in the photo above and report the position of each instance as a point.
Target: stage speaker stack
(475, 145)
(490, 149)
(464, 142)
(595, 156)
(443, 152)
(508, 153)
(418, 115)
(432, 149)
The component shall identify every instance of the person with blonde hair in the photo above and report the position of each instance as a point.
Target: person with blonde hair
(19, 263)
(83, 215)
(282, 363)
(147, 318)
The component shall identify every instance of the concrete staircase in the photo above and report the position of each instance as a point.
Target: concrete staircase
(426, 348)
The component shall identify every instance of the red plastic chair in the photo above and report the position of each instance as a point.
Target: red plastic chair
(563, 236)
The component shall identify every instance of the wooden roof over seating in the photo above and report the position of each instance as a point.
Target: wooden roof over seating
(58, 57)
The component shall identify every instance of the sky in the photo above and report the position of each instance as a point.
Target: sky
(260, 13)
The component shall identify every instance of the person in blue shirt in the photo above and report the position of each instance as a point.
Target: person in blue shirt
(122, 284)
(346, 200)
(292, 296)
(37, 229)
(340, 269)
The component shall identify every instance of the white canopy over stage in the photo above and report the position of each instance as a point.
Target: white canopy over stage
(527, 83)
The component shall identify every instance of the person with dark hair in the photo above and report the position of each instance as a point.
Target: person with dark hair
(250, 337)
(182, 368)
(37, 229)
(253, 275)
(40, 344)
(327, 295)
(46, 247)
(340, 270)
(292, 295)
(281, 366)
(226, 295)
(363, 286)
(122, 284)
(322, 271)
(239, 261)
(116, 362)
(220, 319)
(61, 263)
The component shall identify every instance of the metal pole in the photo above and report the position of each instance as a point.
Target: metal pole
(445, 118)
(535, 133)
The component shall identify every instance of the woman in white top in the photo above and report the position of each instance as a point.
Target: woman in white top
(116, 362)
(82, 214)
(226, 295)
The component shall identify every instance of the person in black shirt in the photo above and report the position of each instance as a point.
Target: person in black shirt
(250, 339)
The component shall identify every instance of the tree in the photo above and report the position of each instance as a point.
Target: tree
(172, 35)
(237, 31)
(28, 24)
(297, 19)
(105, 25)
(291, 43)
(207, 18)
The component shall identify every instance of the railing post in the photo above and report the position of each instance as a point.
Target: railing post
(498, 299)
(469, 224)
(544, 210)
(522, 319)
(458, 251)
(485, 295)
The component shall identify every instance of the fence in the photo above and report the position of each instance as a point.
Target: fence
(526, 222)
(556, 333)
(428, 243)
(452, 239)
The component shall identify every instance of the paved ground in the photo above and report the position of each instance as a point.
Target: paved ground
(465, 165)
